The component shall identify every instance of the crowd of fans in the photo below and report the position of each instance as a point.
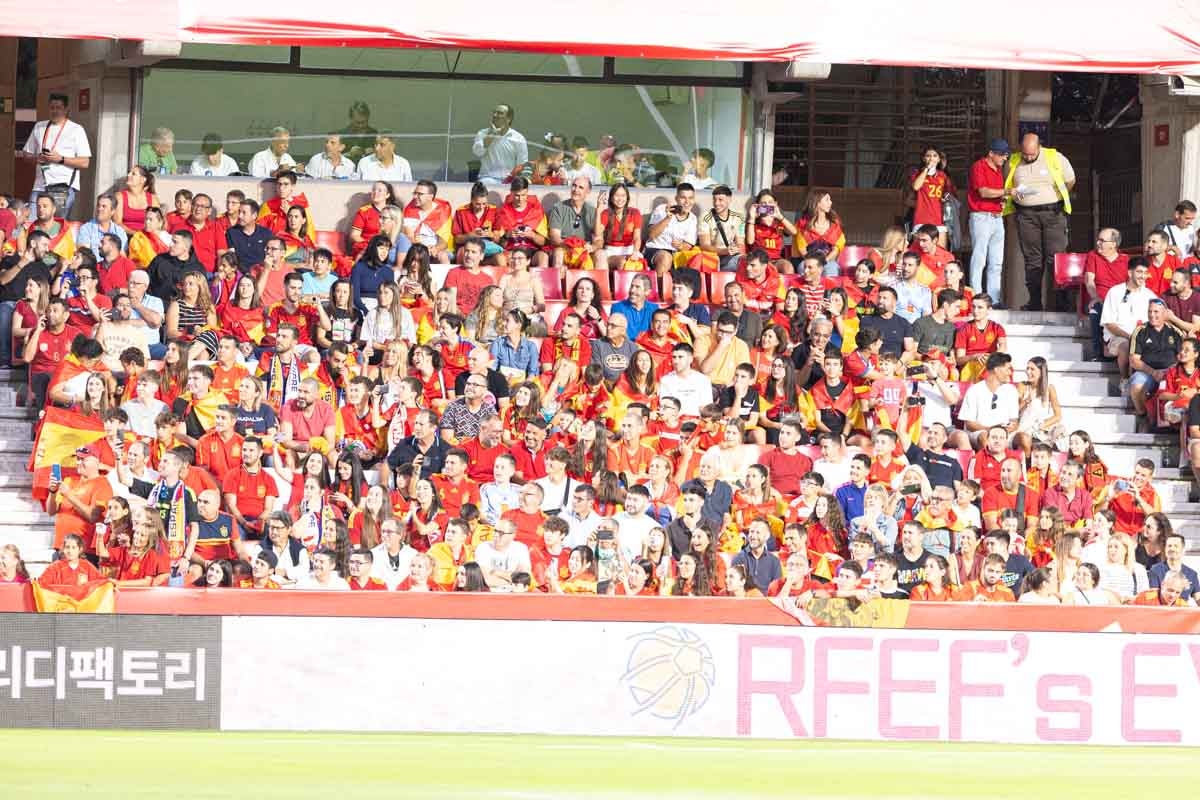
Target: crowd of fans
(742, 418)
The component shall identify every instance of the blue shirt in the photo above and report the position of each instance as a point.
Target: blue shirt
(318, 286)
(365, 281)
(639, 321)
(252, 249)
(523, 357)
(1159, 571)
(850, 498)
(89, 236)
(762, 570)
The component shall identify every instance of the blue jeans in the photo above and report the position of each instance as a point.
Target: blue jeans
(7, 307)
(987, 246)
(1097, 329)
(65, 213)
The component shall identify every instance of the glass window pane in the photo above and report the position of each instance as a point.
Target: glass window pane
(677, 67)
(262, 54)
(450, 61)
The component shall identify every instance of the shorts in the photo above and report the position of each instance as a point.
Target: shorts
(651, 252)
(1113, 346)
(1143, 379)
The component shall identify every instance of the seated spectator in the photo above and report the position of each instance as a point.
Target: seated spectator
(1171, 591)
(913, 298)
(1183, 303)
(990, 586)
(615, 350)
(1010, 492)
(693, 389)
(673, 231)
(1125, 306)
(927, 246)
(572, 229)
(819, 229)
(275, 159)
(1105, 267)
(619, 230)
(478, 219)
(760, 282)
(1153, 349)
(1161, 263)
(977, 340)
(766, 227)
(1133, 500)
(212, 160)
(62, 240)
(524, 222)
(90, 232)
(158, 154)
(331, 161)
(384, 164)
(991, 402)
(584, 302)
(721, 231)
(366, 223)
(895, 331)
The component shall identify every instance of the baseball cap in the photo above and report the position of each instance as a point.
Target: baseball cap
(999, 146)
(88, 450)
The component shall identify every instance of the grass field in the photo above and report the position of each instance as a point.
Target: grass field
(100, 764)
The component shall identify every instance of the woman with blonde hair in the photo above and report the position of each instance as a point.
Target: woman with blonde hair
(1121, 574)
(365, 525)
(12, 568)
(485, 323)
(141, 563)
(912, 496)
(1067, 549)
(387, 322)
(887, 256)
(96, 399)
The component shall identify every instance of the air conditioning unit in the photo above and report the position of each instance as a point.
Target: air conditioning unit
(143, 54)
(1177, 85)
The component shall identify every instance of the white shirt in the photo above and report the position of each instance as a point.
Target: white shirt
(588, 171)
(1124, 308)
(264, 163)
(977, 405)
(370, 169)
(633, 532)
(936, 408)
(226, 167)
(501, 157)
(579, 528)
(121, 490)
(677, 228)
(381, 567)
(699, 183)
(693, 391)
(515, 558)
(834, 473)
(1182, 238)
(69, 140)
(336, 583)
(556, 495)
(319, 166)
(155, 304)
(142, 416)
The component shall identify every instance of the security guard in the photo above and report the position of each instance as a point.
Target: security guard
(1040, 180)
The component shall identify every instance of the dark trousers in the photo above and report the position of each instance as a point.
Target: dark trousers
(1041, 233)
(39, 382)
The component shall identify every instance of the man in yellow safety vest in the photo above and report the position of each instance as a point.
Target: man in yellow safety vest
(1040, 180)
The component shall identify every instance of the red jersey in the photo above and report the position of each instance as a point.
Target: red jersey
(219, 456)
(128, 567)
(761, 295)
(455, 495)
(1160, 274)
(1129, 515)
(579, 351)
(621, 235)
(928, 210)
(454, 360)
(370, 585)
(529, 526)
(466, 222)
(885, 474)
(786, 470)
(1177, 380)
(251, 491)
(977, 590)
(984, 176)
(769, 238)
(306, 317)
(977, 342)
(1107, 273)
(115, 275)
(985, 468)
(206, 243)
(482, 460)
(467, 287)
(226, 379)
(366, 220)
(530, 466)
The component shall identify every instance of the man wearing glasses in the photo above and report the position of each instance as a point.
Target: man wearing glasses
(992, 401)
(463, 416)
(427, 220)
(207, 237)
(574, 219)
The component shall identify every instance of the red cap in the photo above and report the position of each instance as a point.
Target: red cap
(88, 450)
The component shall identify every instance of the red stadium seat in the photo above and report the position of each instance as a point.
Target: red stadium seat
(552, 288)
(600, 276)
(852, 254)
(333, 241)
(495, 273)
(717, 281)
(1068, 270)
(622, 279)
(553, 309)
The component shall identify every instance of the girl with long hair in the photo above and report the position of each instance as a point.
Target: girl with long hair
(366, 224)
(657, 551)
(344, 318)
(637, 384)
(936, 586)
(523, 291)
(174, 372)
(242, 312)
(254, 417)
(820, 225)
(485, 323)
(892, 246)
(349, 485)
(135, 200)
(862, 290)
(526, 405)
(96, 400)
(738, 583)
(781, 395)
(585, 301)
(766, 228)
(151, 241)
(394, 364)
(415, 279)
(827, 527)
(388, 321)
(25, 317)
(664, 492)
(693, 579)
(756, 499)
(470, 579)
(1040, 544)
(365, 525)
(705, 549)
(192, 310)
(1041, 415)
(792, 315)
(218, 575)
(619, 227)
(589, 454)
(1081, 450)
(299, 237)
(371, 270)
(427, 517)
(772, 344)
(12, 567)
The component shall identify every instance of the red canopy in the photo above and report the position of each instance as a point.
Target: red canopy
(1153, 36)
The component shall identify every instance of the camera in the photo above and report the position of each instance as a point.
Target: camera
(914, 401)
(913, 372)
(675, 209)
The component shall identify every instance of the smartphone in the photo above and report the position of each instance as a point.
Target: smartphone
(764, 209)
(56, 473)
(910, 489)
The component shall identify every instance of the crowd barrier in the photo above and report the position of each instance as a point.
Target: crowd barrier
(580, 676)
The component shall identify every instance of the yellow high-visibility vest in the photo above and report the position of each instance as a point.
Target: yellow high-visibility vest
(1054, 164)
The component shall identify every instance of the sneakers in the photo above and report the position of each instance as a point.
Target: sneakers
(1123, 389)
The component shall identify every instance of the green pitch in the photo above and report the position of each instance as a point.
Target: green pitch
(102, 764)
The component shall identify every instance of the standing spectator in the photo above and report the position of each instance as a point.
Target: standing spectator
(985, 201)
(498, 147)
(1041, 180)
(1180, 230)
(384, 164)
(275, 159)
(1106, 266)
(60, 148)
(930, 184)
(158, 154)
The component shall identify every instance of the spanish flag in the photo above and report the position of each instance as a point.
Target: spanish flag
(95, 597)
(62, 244)
(60, 434)
(144, 247)
(437, 221)
(575, 255)
(206, 407)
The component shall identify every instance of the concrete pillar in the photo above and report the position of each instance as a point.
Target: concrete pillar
(8, 103)
(1170, 149)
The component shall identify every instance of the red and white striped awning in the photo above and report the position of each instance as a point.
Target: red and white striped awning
(1155, 36)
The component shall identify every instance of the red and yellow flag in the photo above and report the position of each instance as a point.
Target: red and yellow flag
(62, 432)
(95, 597)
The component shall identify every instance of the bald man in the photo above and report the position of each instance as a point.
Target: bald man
(1041, 180)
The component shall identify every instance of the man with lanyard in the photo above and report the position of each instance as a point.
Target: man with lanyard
(281, 370)
(60, 148)
(571, 226)
(722, 230)
(1041, 180)
(176, 504)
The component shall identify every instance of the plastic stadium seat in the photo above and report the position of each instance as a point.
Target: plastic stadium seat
(552, 288)
(717, 281)
(600, 276)
(333, 241)
(495, 273)
(553, 309)
(1068, 270)
(852, 254)
(621, 280)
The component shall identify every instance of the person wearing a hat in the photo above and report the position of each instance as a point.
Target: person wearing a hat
(78, 503)
(263, 570)
(985, 202)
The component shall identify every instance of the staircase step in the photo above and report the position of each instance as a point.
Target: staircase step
(1044, 331)
(1015, 317)
(1050, 349)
